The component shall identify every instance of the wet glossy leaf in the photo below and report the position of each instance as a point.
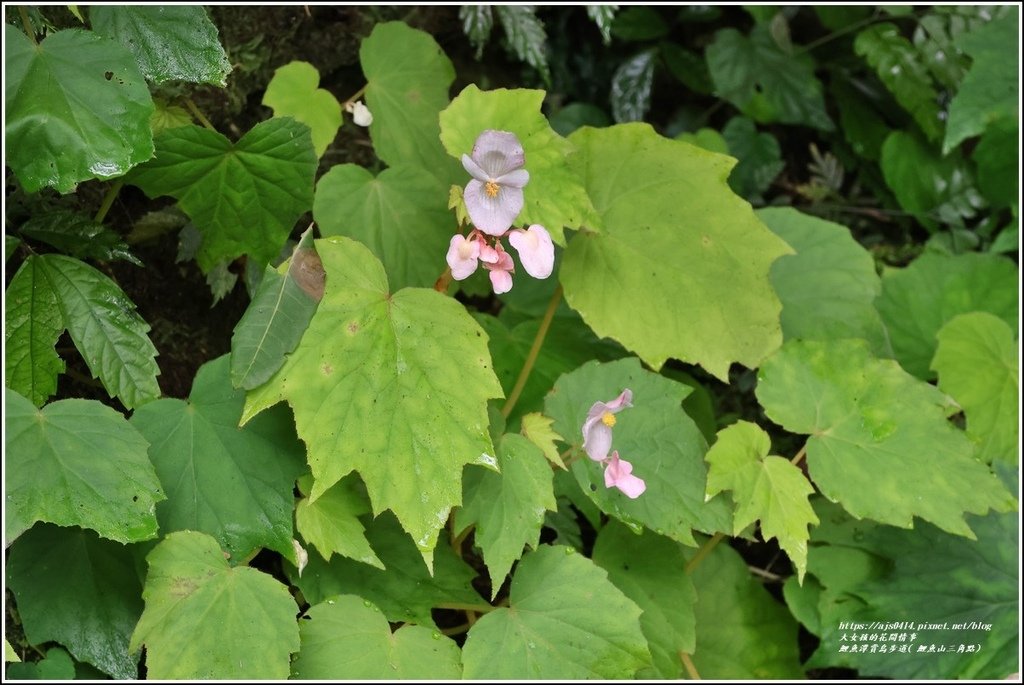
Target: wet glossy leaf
(32, 326)
(78, 236)
(293, 92)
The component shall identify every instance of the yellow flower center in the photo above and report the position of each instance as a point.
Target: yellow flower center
(491, 188)
(608, 419)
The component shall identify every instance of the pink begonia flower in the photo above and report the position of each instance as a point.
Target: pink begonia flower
(536, 251)
(618, 473)
(500, 268)
(597, 429)
(462, 256)
(494, 197)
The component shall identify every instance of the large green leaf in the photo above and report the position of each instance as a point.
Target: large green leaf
(877, 433)
(991, 89)
(78, 235)
(681, 267)
(554, 196)
(977, 363)
(229, 482)
(763, 81)
(743, 633)
(765, 488)
(348, 638)
(918, 300)
(77, 589)
(392, 385)
(277, 317)
(243, 197)
(331, 523)
(407, 81)
(649, 569)
(32, 326)
(206, 620)
(170, 43)
(508, 507)
(293, 93)
(77, 463)
(655, 435)
(105, 327)
(404, 590)
(76, 108)
(564, 621)
(829, 286)
(401, 215)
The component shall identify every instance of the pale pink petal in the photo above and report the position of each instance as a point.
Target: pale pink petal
(498, 152)
(597, 439)
(501, 280)
(625, 399)
(462, 256)
(492, 215)
(514, 179)
(618, 473)
(536, 251)
(474, 170)
(488, 255)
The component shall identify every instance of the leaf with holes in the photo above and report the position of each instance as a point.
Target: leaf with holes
(32, 326)
(77, 463)
(76, 108)
(392, 385)
(243, 197)
(293, 92)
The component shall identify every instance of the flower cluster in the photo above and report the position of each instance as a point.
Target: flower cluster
(494, 198)
(597, 442)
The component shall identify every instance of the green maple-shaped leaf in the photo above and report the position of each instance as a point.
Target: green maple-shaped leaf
(77, 589)
(243, 197)
(32, 326)
(554, 197)
(650, 570)
(977, 364)
(876, 434)
(76, 108)
(681, 266)
(829, 286)
(765, 488)
(918, 300)
(77, 463)
(347, 638)
(229, 482)
(401, 215)
(407, 81)
(508, 507)
(565, 620)
(743, 633)
(655, 435)
(293, 92)
(404, 589)
(331, 523)
(537, 429)
(392, 385)
(170, 43)
(206, 620)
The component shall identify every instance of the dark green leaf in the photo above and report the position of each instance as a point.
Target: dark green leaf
(525, 34)
(572, 117)
(56, 665)
(631, 87)
(477, 21)
(837, 17)
(688, 67)
(863, 127)
(639, 23)
(998, 159)
(10, 245)
(759, 155)
(602, 16)
(78, 236)
(32, 326)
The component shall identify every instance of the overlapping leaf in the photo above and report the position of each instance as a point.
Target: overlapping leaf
(78, 236)
(170, 43)
(76, 108)
(77, 589)
(194, 600)
(77, 463)
(331, 523)
(977, 364)
(918, 300)
(56, 665)
(655, 435)
(293, 92)
(392, 385)
(877, 433)
(233, 484)
(243, 197)
(565, 620)
(401, 215)
(554, 197)
(507, 508)
(681, 266)
(758, 154)
(347, 638)
(32, 326)
(537, 429)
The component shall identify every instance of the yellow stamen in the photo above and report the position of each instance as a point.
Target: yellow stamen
(608, 419)
(491, 188)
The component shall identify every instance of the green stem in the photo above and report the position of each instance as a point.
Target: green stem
(28, 25)
(703, 552)
(463, 606)
(108, 201)
(531, 358)
(355, 96)
(799, 456)
(198, 115)
(847, 29)
(456, 630)
(691, 670)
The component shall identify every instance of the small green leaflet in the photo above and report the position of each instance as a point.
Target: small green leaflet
(53, 473)
(167, 116)
(348, 638)
(565, 621)
(32, 326)
(331, 523)
(195, 600)
(765, 488)
(293, 92)
(537, 429)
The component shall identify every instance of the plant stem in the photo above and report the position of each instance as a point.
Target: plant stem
(463, 606)
(691, 670)
(108, 201)
(531, 358)
(198, 115)
(457, 630)
(443, 281)
(799, 456)
(28, 25)
(847, 29)
(703, 552)
(355, 96)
